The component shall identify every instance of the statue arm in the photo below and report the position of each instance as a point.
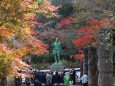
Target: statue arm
(60, 46)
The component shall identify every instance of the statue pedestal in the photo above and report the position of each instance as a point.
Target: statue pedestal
(57, 67)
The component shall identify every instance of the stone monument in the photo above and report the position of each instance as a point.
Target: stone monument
(57, 66)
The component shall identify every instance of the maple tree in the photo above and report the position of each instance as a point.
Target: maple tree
(80, 55)
(88, 35)
(90, 16)
(65, 22)
(16, 40)
(46, 9)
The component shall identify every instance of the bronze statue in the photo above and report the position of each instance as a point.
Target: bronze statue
(57, 50)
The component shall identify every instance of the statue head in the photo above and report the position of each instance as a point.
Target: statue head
(56, 39)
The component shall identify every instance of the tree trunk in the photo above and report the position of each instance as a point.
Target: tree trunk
(3, 81)
(114, 63)
(81, 69)
(85, 61)
(105, 53)
(92, 66)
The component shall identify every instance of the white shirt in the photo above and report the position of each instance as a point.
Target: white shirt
(84, 78)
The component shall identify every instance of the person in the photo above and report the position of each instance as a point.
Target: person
(37, 75)
(71, 77)
(40, 77)
(61, 80)
(66, 79)
(43, 78)
(56, 79)
(57, 50)
(37, 82)
(84, 79)
(23, 80)
(74, 77)
(28, 81)
(18, 81)
(48, 79)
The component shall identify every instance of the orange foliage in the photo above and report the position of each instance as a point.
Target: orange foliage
(12, 50)
(49, 6)
(4, 32)
(47, 9)
(79, 56)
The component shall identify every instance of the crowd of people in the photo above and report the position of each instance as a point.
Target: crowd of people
(53, 78)
(65, 78)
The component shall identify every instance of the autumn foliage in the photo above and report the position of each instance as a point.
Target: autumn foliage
(15, 36)
(88, 35)
(80, 55)
(65, 22)
(47, 9)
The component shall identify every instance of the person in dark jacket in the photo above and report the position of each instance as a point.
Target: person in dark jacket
(74, 75)
(43, 78)
(56, 79)
(40, 77)
(28, 81)
(61, 82)
(18, 81)
(37, 75)
(37, 83)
